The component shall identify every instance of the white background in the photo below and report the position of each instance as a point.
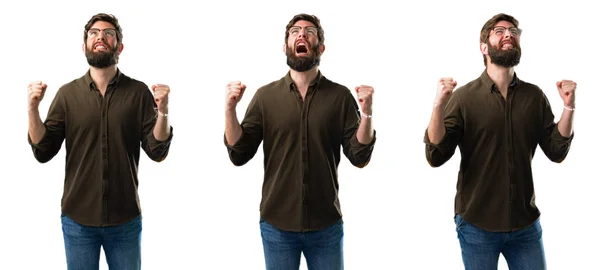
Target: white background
(201, 212)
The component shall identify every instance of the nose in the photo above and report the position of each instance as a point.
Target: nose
(302, 33)
(101, 36)
(507, 33)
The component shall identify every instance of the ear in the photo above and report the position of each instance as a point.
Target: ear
(83, 48)
(321, 48)
(483, 47)
(120, 49)
(284, 48)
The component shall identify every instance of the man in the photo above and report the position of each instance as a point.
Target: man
(103, 117)
(497, 121)
(302, 120)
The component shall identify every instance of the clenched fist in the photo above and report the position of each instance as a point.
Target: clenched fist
(235, 91)
(566, 89)
(161, 97)
(444, 90)
(36, 91)
(365, 98)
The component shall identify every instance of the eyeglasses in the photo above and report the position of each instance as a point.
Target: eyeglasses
(109, 32)
(310, 30)
(500, 30)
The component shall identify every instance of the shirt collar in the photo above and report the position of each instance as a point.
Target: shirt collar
(490, 85)
(290, 83)
(87, 78)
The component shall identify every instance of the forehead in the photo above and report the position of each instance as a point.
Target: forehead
(303, 23)
(505, 24)
(102, 25)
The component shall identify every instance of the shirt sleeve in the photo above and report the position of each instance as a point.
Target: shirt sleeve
(553, 144)
(438, 154)
(252, 134)
(155, 149)
(54, 136)
(357, 153)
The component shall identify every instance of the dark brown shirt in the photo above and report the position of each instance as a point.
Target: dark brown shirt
(102, 141)
(497, 140)
(301, 143)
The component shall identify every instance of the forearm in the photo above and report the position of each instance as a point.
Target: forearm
(436, 129)
(565, 125)
(365, 132)
(162, 128)
(233, 129)
(37, 129)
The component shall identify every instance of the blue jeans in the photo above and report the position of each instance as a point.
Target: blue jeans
(122, 245)
(522, 249)
(322, 249)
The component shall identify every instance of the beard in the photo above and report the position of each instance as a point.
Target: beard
(505, 58)
(303, 63)
(102, 59)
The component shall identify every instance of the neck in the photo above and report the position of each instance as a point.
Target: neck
(303, 79)
(501, 76)
(102, 76)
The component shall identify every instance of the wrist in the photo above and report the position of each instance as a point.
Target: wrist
(438, 106)
(569, 105)
(230, 110)
(33, 110)
(366, 114)
(163, 112)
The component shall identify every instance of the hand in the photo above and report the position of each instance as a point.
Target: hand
(566, 89)
(36, 91)
(235, 91)
(444, 91)
(161, 97)
(365, 98)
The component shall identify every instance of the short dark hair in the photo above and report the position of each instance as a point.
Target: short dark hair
(489, 25)
(109, 18)
(310, 18)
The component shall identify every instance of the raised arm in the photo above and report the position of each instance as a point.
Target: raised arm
(555, 139)
(445, 126)
(359, 136)
(242, 140)
(45, 138)
(157, 133)
(162, 128)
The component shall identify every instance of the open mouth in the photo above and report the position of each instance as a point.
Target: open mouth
(301, 48)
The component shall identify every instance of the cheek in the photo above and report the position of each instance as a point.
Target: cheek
(113, 44)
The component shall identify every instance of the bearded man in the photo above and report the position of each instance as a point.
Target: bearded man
(497, 121)
(104, 117)
(302, 119)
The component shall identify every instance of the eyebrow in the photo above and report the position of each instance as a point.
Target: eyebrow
(296, 26)
(504, 26)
